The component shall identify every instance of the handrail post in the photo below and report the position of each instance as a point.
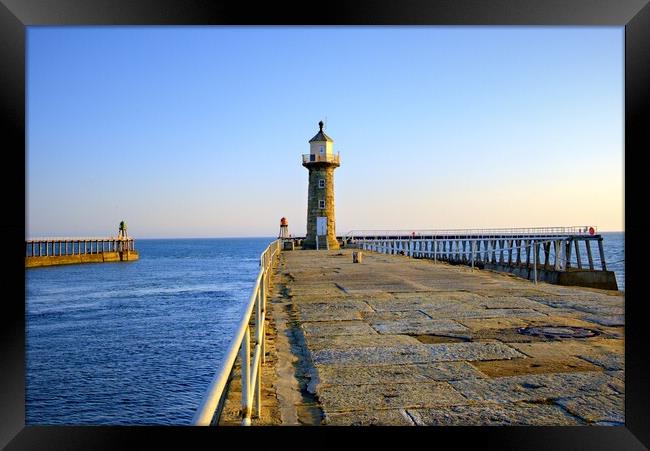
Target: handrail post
(534, 261)
(245, 377)
(435, 251)
(258, 389)
(259, 321)
(473, 245)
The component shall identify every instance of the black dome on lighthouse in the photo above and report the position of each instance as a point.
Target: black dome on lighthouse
(321, 136)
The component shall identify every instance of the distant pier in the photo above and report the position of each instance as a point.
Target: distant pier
(66, 251)
(539, 254)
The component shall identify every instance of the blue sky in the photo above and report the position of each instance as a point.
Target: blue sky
(198, 131)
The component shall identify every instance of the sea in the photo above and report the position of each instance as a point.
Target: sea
(138, 343)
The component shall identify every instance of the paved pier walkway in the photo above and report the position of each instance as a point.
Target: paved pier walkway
(402, 341)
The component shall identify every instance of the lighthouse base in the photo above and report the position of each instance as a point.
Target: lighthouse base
(323, 242)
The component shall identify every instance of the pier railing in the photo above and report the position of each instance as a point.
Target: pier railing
(475, 233)
(492, 247)
(251, 369)
(46, 247)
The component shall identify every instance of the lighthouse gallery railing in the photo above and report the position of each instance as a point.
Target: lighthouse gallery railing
(250, 370)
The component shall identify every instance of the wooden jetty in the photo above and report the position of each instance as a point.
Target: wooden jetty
(66, 251)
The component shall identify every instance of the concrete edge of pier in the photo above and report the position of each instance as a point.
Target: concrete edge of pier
(102, 257)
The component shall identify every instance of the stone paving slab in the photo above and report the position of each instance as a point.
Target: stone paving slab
(392, 417)
(609, 362)
(391, 315)
(359, 341)
(483, 313)
(618, 374)
(396, 304)
(373, 355)
(457, 297)
(423, 353)
(351, 375)
(606, 320)
(332, 311)
(418, 326)
(584, 347)
(327, 328)
(537, 387)
(508, 302)
(497, 323)
(596, 409)
(388, 396)
(593, 303)
(490, 414)
(534, 365)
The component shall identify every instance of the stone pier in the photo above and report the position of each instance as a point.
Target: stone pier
(401, 341)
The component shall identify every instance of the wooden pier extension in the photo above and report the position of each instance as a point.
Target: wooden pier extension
(402, 341)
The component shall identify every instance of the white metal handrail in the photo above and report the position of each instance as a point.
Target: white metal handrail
(241, 343)
(553, 231)
(54, 238)
(430, 248)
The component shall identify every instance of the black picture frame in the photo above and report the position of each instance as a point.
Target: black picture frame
(16, 15)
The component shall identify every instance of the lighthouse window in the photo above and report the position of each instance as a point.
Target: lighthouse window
(321, 204)
(321, 183)
(322, 149)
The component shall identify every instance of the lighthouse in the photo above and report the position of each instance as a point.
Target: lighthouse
(321, 162)
(284, 228)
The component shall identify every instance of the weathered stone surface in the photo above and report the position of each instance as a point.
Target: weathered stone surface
(473, 351)
(389, 305)
(332, 311)
(392, 417)
(534, 365)
(374, 355)
(491, 414)
(418, 326)
(606, 320)
(392, 315)
(356, 375)
(325, 328)
(618, 374)
(329, 375)
(589, 346)
(442, 298)
(422, 353)
(498, 323)
(538, 387)
(510, 302)
(499, 375)
(593, 303)
(596, 409)
(483, 313)
(449, 371)
(609, 362)
(388, 396)
(359, 341)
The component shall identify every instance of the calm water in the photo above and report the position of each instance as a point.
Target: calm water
(139, 342)
(136, 342)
